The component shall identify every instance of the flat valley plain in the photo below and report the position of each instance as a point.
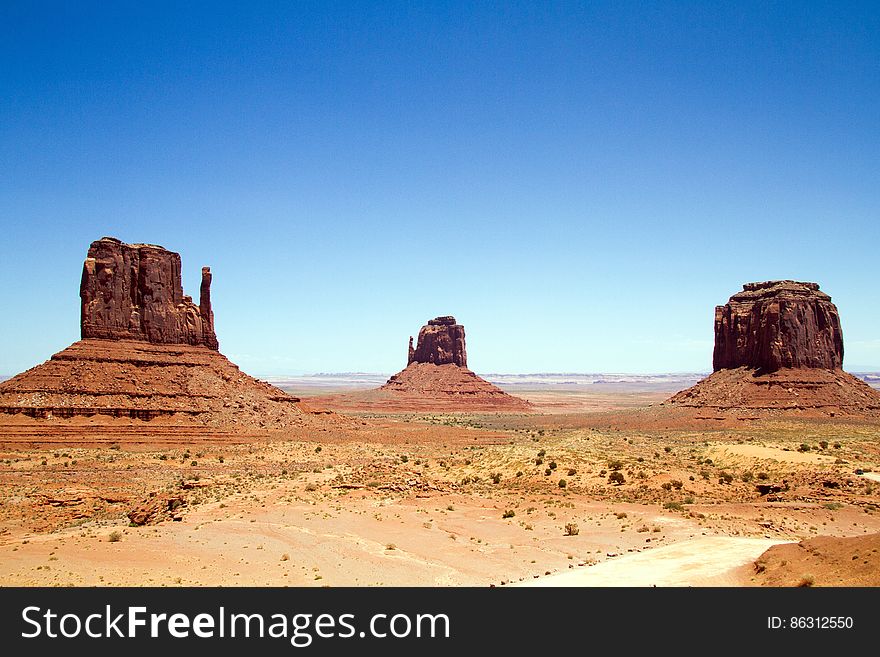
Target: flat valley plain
(588, 490)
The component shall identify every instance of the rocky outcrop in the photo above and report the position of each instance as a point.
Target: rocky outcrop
(156, 508)
(778, 324)
(134, 292)
(441, 342)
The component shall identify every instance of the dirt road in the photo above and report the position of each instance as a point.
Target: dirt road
(685, 563)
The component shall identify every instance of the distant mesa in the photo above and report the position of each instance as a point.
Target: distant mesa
(436, 375)
(779, 346)
(147, 351)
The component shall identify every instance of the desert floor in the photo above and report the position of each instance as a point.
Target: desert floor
(443, 499)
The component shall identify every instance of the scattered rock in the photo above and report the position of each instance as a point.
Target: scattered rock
(156, 508)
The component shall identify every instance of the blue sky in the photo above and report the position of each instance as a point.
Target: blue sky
(578, 183)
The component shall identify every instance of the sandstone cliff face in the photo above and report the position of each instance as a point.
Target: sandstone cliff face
(441, 342)
(134, 292)
(778, 324)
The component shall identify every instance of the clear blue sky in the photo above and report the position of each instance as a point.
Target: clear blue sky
(578, 183)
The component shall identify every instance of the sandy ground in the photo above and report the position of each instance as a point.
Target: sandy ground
(433, 499)
(747, 453)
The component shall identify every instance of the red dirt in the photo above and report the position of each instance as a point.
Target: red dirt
(819, 392)
(820, 561)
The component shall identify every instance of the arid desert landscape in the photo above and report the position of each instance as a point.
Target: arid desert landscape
(141, 456)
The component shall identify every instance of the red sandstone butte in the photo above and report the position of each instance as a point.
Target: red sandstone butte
(441, 342)
(779, 347)
(778, 324)
(148, 358)
(436, 375)
(134, 292)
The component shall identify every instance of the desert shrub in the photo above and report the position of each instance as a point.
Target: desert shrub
(562, 483)
(509, 513)
(762, 476)
(689, 500)
(539, 461)
(725, 477)
(311, 488)
(519, 473)
(404, 458)
(666, 485)
(836, 445)
(676, 484)
(673, 506)
(542, 452)
(704, 474)
(114, 537)
(495, 477)
(823, 444)
(615, 465)
(552, 465)
(572, 472)
(807, 580)
(621, 515)
(616, 477)
(318, 449)
(571, 529)
(747, 476)
(804, 447)
(548, 472)
(667, 449)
